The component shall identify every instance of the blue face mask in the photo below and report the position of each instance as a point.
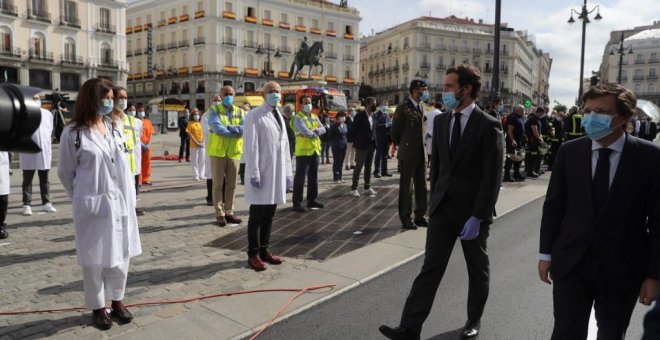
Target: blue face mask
(500, 108)
(228, 100)
(106, 107)
(597, 125)
(425, 95)
(273, 99)
(449, 100)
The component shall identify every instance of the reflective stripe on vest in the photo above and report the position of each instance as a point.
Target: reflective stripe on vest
(221, 146)
(577, 126)
(129, 139)
(307, 146)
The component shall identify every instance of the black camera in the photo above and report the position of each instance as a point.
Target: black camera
(20, 117)
(58, 106)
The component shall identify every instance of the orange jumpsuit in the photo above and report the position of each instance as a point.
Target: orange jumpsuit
(147, 131)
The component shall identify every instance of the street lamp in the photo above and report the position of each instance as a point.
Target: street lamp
(163, 120)
(621, 51)
(267, 51)
(584, 16)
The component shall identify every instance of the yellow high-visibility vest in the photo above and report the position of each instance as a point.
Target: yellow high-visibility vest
(221, 146)
(307, 146)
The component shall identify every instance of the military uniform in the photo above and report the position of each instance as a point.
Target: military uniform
(556, 138)
(407, 134)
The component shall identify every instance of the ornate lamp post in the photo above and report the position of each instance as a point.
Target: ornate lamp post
(584, 16)
(267, 51)
(621, 51)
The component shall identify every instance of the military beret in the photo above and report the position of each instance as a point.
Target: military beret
(415, 83)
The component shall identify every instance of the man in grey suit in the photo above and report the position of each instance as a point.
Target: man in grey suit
(466, 173)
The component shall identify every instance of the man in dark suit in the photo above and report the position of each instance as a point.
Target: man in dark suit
(364, 142)
(382, 123)
(466, 175)
(600, 238)
(648, 130)
(407, 133)
(183, 135)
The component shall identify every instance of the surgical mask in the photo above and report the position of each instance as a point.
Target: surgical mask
(500, 108)
(130, 113)
(597, 125)
(228, 100)
(141, 114)
(384, 108)
(273, 99)
(425, 95)
(106, 107)
(216, 103)
(307, 108)
(195, 117)
(38, 101)
(449, 99)
(121, 105)
(342, 119)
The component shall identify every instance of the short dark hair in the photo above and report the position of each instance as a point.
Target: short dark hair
(89, 101)
(540, 109)
(467, 75)
(341, 114)
(626, 101)
(369, 100)
(302, 98)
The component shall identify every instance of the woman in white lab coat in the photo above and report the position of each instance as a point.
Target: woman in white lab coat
(95, 172)
(268, 171)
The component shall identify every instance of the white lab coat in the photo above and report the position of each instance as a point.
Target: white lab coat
(98, 179)
(4, 173)
(137, 130)
(430, 117)
(208, 172)
(266, 156)
(41, 160)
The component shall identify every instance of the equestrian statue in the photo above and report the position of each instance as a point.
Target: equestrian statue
(306, 56)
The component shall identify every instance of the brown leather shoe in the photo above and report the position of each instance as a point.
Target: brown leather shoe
(101, 319)
(233, 219)
(270, 258)
(221, 221)
(120, 312)
(256, 264)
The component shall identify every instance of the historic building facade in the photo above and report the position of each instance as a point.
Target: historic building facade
(425, 47)
(190, 49)
(60, 44)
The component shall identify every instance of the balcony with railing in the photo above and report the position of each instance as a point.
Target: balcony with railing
(488, 70)
(653, 76)
(172, 45)
(425, 45)
(639, 61)
(476, 51)
(425, 65)
(8, 53)
(405, 66)
(453, 48)
(139, 51)
(38, 15)
(331, 55)
(108, 63)
(440, 67)
(489, 51)
(653, 61)
(7, 8)
(70, 21)
(349, 57)
(285, 49)
(199, 41)
(441, 47)
(129, 52)
(161, 47)
(250, 44)
(638, 77)
(40, 56)
(229, 41)
(105, 27)
(184, 43)
(66, 59)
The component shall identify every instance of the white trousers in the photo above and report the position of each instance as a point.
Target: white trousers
(104, 283)
(350, 156)
(197, 158)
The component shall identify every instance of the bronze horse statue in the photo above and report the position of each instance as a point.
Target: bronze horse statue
(310, 58)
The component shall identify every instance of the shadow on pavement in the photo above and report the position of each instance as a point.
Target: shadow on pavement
(156, 276)
(53, 326)
(14, 259)
(455, 334)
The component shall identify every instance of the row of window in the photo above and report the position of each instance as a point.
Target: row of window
(39, 10)
(38, 48)
(426, 43)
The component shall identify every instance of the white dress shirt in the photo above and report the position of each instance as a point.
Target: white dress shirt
(465, 114)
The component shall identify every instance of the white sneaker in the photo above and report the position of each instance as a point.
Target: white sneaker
(197, 178)
(48, 207)
(354, 193)
(27, 210)
(370, 192)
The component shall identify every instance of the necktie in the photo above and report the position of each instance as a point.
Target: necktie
(648, 127)
(601, 181)
(277, 117)
(455, 134)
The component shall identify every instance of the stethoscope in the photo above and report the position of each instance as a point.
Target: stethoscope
(116, 136)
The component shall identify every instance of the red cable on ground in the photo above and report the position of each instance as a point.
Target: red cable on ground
(299, 292)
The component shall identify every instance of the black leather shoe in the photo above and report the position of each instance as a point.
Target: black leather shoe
(298, 208)
(314, 205)
(120, 312)
(3, 231)
(398, 333)
(387, 175)
(376, 175)
(101, 319)
(409, 225)
(508, 179)
(471, 330)
(421, 221)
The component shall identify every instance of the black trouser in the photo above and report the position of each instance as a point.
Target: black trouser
(338, 155)
(532, 157)
(209, 190)
(137, 186)
(380, 159)
(306, 166)
(508, 163)
(259, 225)
(440, 238)
(413, 173)
(4, 203)
(241, 172)
(591, 283)
(185, 144)
(44, 186)
(363, 158)
(552, 153)
(325, 151)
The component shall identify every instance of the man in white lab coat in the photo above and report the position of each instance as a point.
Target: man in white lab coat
(38, 162)
(268, 170)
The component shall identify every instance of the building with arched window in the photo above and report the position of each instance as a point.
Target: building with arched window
(209, 44)
(57, 45)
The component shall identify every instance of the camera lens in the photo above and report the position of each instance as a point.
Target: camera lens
(20, 117)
